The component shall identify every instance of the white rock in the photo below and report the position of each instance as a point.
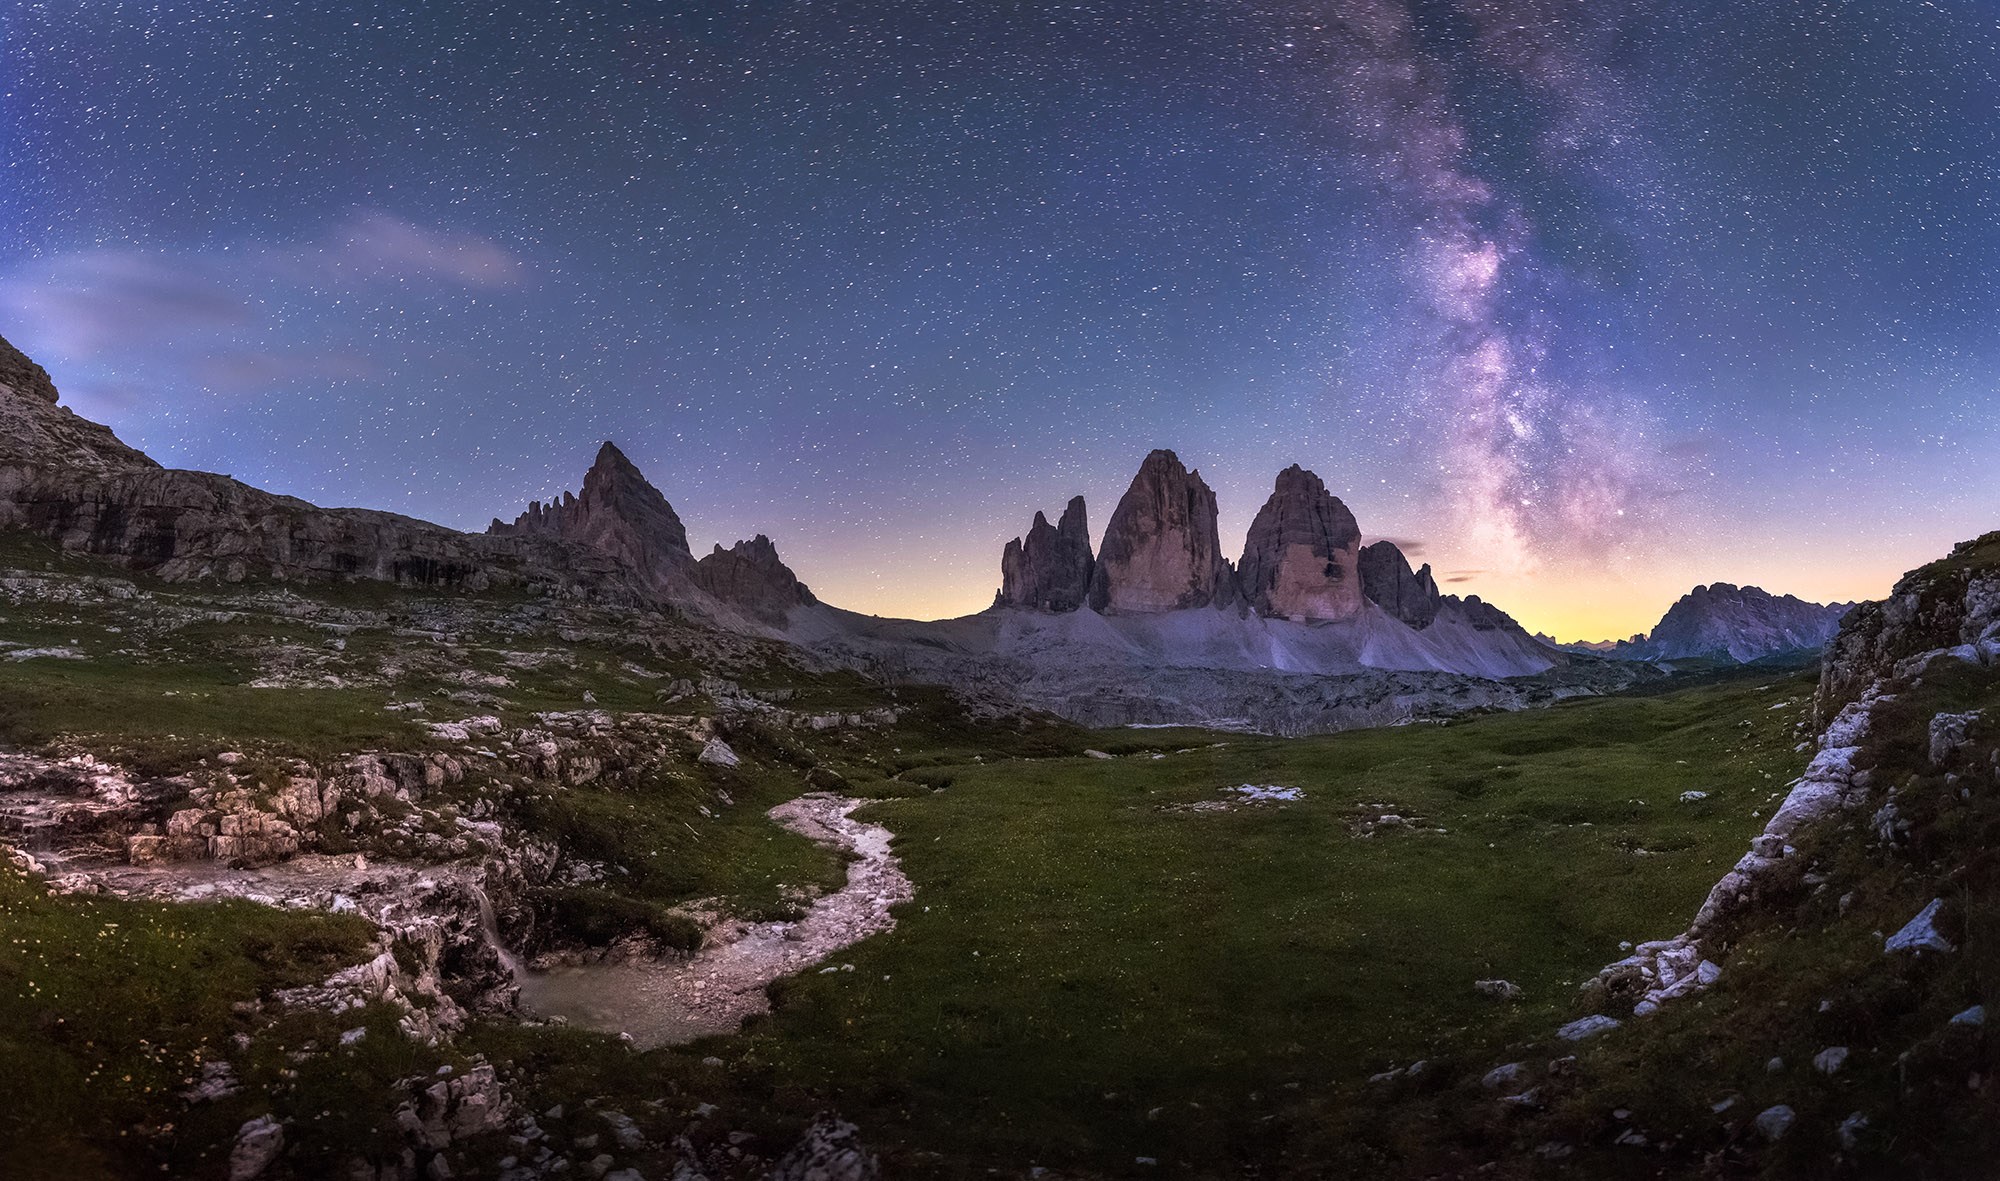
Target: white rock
(1584, 1027)
(1689, 797)
(1502, 1077)
(1830, 1060)
(1774, 1122)
(1920, 933)
(717, 753)
(258, 1143)
(1096, 754)
(1976, 1015)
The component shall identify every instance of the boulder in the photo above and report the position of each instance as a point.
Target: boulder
(1160, 551)
(258, 1143)
(1301, 557)
(1920, 934)
(1774, 1122)
(1049, 569)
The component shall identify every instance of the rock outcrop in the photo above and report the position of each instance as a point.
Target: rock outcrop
(1389, 583)
(1741, 622)
(1300, 559)
(1951, 605)
(750, 576)
(1160, 551)
(1050, 568)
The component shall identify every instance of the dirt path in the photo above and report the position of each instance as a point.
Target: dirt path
(665, 1002)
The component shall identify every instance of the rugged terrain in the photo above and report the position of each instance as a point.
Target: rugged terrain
(317, 868)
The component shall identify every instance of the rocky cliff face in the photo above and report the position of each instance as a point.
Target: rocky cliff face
(1744, 623)
(71, 481)
(1300, 559)
(750, 576)
(1388, 581)
(1049, 569)
(1160, 551)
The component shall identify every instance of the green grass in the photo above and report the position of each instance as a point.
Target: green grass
(1091, 974)
(163, 718)
(107, 1009)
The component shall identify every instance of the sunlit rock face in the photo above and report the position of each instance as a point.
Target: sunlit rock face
(1160, 550)
(1300, 560)
(1049, 569)
(1388, 582)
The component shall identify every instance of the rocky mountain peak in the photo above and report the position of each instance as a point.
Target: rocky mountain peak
(1049, 569)
(751, 576)
(1160, 550)
(619, 514)
(1299, 560)
(1389, 583)
(1743, 622)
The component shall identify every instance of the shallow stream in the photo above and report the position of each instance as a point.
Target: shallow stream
(666, 1002)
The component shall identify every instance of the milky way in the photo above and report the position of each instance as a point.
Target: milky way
(1588, 303)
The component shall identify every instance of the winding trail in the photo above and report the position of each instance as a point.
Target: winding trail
(663, 1003)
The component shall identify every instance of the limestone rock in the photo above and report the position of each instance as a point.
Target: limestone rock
(1160, 551)
(1050, 568)
(1949, 603)
(258, 1143)
(1300, 560)
(1920, 933)
(749, 575)
(1584, 1027)
(1389, 583)
(1774, 1122)
(831, 1150)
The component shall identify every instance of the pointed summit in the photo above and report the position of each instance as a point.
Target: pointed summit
(1299, 560)
(1049, 569)
(1160, 551)
(619, 514)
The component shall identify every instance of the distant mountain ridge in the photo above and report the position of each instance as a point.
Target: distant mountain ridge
(1743, 623)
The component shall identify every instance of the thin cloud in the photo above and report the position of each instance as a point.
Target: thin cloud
(372, 245)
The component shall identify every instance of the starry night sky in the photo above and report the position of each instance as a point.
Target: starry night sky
(1585, 303)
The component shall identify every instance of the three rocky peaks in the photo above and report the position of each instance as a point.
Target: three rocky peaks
(71, 480)
(1302, 560)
